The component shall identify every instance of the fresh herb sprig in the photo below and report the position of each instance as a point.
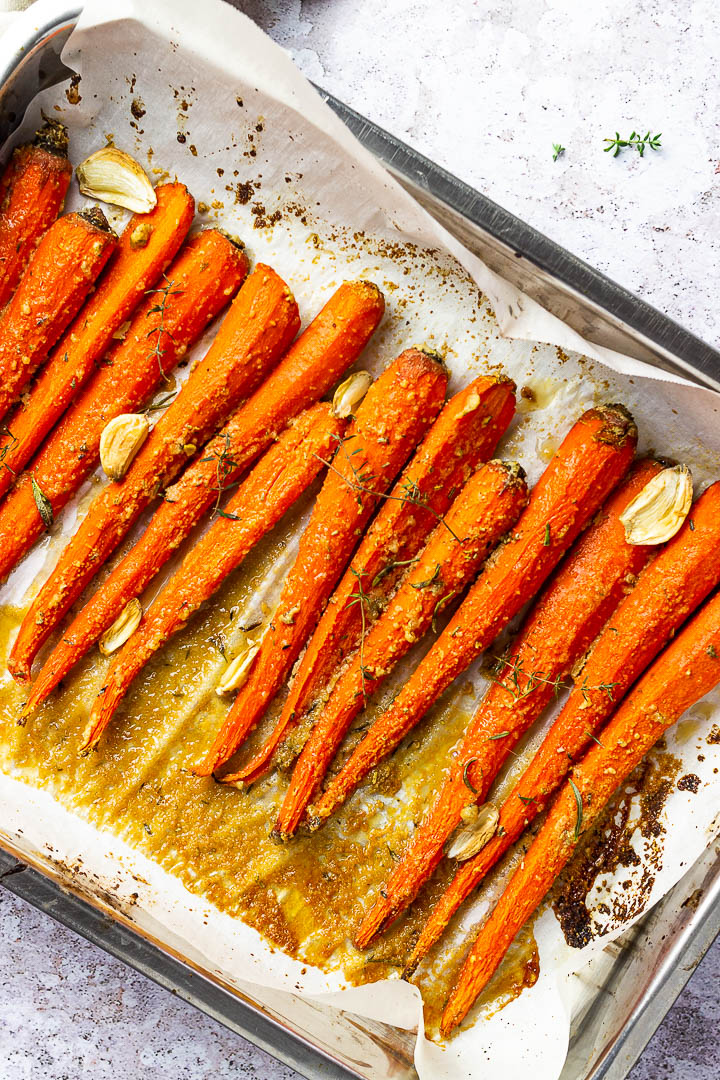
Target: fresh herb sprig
(634, 142)
(165, 291)
(557, 150)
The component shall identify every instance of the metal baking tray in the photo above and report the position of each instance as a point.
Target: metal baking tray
(634, 982)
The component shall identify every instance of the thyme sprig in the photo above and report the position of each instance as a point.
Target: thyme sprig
(157, 350)
(225, 466)
(557, 150)
(635, 142)
(7, 447)
(365, 601)
(509, 670)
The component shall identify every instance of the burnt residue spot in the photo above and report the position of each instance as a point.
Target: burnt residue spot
(244, 192)
(239, 102)
(689, 782)
(181, 137)
(72, 93)
(264, 220)
(713, 738)
(137, 108)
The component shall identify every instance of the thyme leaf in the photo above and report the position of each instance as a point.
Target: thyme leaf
(43, 504)
(579, 806)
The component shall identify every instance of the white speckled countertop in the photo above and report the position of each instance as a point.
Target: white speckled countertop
(485, 89)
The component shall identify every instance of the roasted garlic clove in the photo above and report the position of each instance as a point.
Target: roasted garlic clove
(112, 176)
(476, 834)
(120, 441)
(237, 671)
(350, 393)
(124, 627)
(656, 514)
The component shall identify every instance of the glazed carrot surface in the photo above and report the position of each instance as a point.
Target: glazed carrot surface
(561, 626)
(672, 586)
(259, 326)
(393, 417)
(687, 670)
(593, 457)
(488, 505)
(200, 283)
(287, 469)
(32, 193)
(466, 433)
(332, 341)
(146, 246)
(59, 277)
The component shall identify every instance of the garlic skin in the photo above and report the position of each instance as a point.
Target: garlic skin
(112, 176)
(350, 393)
(237, 671)
(120, 441)
(476, 834)
(124, 627)
(659, 510)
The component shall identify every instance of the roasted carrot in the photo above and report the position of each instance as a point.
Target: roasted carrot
(394, 415)
(59, 276)
(332, 341)
(688, 669)
(285, 471)
(145, 248)
(200, 281)
(488, 505)
(260, 325)
(560, 628)
(466, 433)
(592, 458)
(32, 193)
(673, 585)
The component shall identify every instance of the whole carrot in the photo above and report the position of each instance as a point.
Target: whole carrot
(32, 193)
(146, 246)
(59, 276)
(594, 455)
(485, 509)
(260, 325)
(687, 670)
(395, 413)
(332, 341)
(673, 585)
(465, 433)
(278, 479)
(573, 608)
(200, 281)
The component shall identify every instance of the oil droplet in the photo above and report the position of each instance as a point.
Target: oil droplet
(537, 393)
(545, 448)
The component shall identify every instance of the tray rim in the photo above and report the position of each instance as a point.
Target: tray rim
(35, 882)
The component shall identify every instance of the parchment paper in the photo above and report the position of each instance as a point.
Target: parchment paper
(218, 105)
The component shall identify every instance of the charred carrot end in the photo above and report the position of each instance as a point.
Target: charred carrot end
(332, 341)
(599, 570)
(592, 458)
(270, 489)
(200, 283)
(60, 275)
(687, 670)
(32, 193)
(392, 418)
(465, 434)
(486, 508)
(146, 246)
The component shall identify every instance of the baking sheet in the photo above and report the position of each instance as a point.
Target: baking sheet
(341, 192)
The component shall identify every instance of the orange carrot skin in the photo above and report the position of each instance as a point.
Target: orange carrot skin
(287, 469)
(560, 628)
(682, 675)
(332, 341)
(60, 274)
(258, 328)
(466, 433)
(675, 583)
(130, 272)
(32, 193)
(485, 509)
(394, 415)
(593, 457)
(204, 275)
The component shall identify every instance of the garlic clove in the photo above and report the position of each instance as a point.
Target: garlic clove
(350, 393)
(658, 511)
(112, 176)
(237, 671)
(124, 627)
(475, 835)
(120, 441)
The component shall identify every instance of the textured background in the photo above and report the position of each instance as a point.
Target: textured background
(484, 89)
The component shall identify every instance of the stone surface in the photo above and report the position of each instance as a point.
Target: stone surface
(485, 89)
